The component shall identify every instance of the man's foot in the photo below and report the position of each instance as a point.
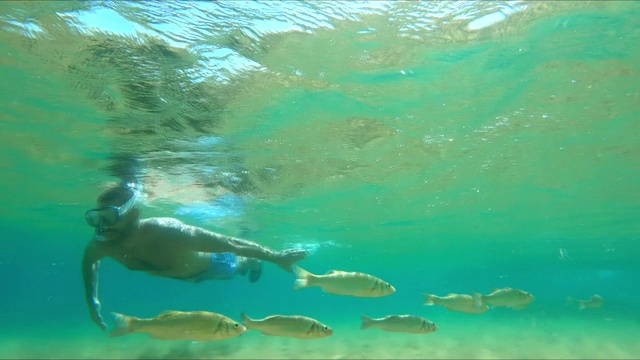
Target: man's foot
(255, 270)
(251, 266)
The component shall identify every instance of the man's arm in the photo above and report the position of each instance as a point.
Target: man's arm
(209, 241)
(90, 267)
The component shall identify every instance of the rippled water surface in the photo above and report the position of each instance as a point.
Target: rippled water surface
(444, 146)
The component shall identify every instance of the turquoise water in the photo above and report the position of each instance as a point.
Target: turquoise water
(425, 143)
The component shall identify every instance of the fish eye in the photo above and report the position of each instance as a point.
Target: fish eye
(236, 325)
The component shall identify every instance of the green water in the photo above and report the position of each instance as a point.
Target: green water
(396, 142)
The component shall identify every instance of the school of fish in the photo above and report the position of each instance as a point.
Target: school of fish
(208, 326)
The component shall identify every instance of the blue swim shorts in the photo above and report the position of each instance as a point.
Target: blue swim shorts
(223, 267)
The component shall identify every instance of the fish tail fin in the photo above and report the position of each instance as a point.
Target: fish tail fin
(429, 299)
(478, 300)
(573, 301)
(123, 324)
(302, 277)
(246, 320)
(366, 322)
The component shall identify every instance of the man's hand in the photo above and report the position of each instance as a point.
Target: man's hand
(287, 257)
(96, 317)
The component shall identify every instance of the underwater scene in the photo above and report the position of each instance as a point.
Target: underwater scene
(320, 179)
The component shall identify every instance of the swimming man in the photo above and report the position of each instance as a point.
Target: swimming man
(166, 247)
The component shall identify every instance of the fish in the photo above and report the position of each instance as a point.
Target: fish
(179, 325)
(296, 326)
(508, 297)
(400, 323)
(595, 301)
(564, 255)
(343, 283)
(472, 304)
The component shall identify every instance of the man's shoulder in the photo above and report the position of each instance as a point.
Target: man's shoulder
(161, 227)
(161, 222)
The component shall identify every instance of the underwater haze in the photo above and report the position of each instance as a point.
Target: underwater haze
(443, 146)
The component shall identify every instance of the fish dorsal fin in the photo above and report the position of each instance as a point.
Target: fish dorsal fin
(167, 313)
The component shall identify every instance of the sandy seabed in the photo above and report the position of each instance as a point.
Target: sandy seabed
(572, 338)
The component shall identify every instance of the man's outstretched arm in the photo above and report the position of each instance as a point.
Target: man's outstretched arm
(209, 241)
(90, 269)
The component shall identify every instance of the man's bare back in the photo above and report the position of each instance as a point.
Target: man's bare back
(160, 246)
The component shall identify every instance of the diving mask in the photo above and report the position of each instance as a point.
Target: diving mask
(110, 215)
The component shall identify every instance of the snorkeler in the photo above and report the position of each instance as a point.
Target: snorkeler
(166, 247)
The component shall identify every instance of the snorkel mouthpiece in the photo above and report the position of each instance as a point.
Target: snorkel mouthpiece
(97, 236)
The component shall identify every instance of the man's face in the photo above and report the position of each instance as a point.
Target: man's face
(115, 231)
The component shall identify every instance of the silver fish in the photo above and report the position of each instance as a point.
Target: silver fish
(400, 323)
(180, 325)
(509, 297)
(595, 301)
(472, 304)
(344, 283)
(296, 326)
